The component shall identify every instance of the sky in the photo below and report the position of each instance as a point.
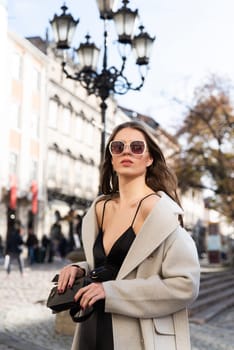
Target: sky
(194, 39)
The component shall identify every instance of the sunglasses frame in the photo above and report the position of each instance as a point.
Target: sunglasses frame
(129, 146)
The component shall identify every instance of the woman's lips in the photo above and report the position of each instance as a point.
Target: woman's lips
(126, 162)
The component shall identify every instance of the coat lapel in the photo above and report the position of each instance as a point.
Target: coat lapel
(162, 220)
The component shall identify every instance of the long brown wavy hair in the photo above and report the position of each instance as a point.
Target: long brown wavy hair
(158, 176)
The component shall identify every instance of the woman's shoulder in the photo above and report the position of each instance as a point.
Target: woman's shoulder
(161, 208)
(148, 202)
(100, 200)
(99, 205)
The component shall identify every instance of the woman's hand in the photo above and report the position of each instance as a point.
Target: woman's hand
(67, 277)
(90, 294)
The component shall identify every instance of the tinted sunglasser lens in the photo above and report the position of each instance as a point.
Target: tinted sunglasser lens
(136, 147)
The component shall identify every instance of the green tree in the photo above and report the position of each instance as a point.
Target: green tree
(206, 136)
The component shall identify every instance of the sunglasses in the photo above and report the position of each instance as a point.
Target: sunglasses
(118, 147)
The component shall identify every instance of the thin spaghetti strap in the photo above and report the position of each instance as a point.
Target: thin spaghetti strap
(138, 207)
(103, 211)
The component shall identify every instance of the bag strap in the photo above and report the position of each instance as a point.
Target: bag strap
(76, 309)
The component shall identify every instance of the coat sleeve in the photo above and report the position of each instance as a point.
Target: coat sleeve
(83, 265)
(164, 293)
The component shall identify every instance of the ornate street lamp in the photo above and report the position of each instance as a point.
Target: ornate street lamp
(108, 79)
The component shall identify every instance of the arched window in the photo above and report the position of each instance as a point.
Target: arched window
(53, 112)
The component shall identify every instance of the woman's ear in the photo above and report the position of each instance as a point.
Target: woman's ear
(149, 162)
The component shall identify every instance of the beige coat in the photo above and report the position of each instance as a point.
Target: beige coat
(158, 279)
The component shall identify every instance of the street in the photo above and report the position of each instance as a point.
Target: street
(26, 323)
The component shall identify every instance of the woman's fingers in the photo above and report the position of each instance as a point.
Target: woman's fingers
(67, 277)
(90, 294)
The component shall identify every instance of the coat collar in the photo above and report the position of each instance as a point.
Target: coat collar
(162, 220)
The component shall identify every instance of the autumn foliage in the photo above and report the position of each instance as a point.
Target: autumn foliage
(206, 137)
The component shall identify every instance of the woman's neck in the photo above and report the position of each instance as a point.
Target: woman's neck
(132, 190)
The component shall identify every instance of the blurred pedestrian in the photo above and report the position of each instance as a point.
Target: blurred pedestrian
(55, 234)
(32, 245)
(14, 244)
(63, 246)
(48, 248)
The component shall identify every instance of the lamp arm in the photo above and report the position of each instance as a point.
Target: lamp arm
(136, 88)
(124, 59)
(142, 77)
(69, 76)
(122, 85)
(85, 78)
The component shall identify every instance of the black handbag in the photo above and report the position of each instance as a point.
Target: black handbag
(58, 302)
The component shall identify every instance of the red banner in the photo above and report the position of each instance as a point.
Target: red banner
(34, 190)
(13, 192)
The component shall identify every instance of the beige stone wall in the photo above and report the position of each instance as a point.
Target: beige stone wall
(64, 324)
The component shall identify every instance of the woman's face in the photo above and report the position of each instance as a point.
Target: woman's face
(135, 157)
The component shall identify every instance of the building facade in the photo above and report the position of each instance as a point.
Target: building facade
(73, 143)
(23, 131)
(50, 138)
(3, 104)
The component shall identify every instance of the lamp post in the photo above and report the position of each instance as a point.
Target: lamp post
(108, 79)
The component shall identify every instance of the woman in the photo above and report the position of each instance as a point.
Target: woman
(134, 231)
(14, 244)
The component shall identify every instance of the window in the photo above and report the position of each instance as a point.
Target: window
(78, 174)
(53, 113)
(89, 135)
(36, 79)
(34, 170)
(52, 160)
(79, 128)
(89, 181)
(66, 121)
(16, 66)
(65, 169)
(15, 116)
(13, 163)
(35, 123)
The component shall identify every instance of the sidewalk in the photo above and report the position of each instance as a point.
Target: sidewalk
(26, 323)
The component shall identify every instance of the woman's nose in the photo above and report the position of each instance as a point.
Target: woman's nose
(127, 149)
